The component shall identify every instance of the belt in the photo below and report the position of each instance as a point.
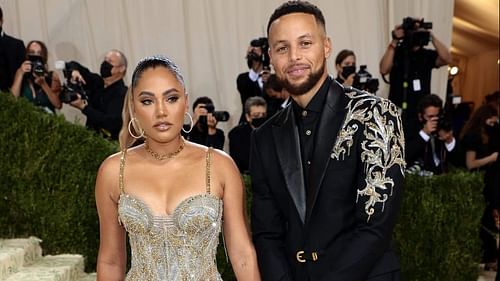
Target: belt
(303, 256)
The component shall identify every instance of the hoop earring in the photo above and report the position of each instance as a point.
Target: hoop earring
(191, 122)
(130, 130)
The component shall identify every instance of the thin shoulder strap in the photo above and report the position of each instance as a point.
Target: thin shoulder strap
(209, 154)
(122, 169)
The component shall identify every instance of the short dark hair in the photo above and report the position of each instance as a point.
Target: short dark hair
(1, 14)
(203, 100)
(429, 100)
(291, 7)
(343, 55)
(254, 101)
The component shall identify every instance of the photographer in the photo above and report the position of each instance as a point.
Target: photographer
(204, 130)
(433, 147)
(34, 82)
(104, 94)
(345, 64)
(410, 64)
(239, 136)
(251, 83)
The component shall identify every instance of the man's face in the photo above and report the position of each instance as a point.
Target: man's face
(118, 70)
(430, 113)
(298, 50)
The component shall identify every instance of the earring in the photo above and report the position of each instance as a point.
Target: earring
(190, 121)
(130, 130)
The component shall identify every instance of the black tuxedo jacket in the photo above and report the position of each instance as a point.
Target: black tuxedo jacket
(12, 55)
(357, 173)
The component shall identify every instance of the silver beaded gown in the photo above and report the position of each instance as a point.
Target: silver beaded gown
(180, 246)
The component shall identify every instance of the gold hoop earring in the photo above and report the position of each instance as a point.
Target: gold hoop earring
(130, 123)
(190, 121)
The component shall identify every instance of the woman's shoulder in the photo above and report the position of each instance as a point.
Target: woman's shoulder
(219, 158)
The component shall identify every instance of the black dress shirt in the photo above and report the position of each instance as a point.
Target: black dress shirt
(307, 123)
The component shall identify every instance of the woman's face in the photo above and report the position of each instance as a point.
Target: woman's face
(159, 104)
(348, 61)
(34, 49)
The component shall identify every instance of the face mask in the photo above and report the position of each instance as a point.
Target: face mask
(491, 130)
(106, 69)
(348, 70)
(256, 122)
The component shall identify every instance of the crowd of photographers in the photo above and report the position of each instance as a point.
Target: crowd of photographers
(434, 142)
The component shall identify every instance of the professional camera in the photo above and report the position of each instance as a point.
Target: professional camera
(414, 35)
(220, 116)
(70, 90)
(363, 80)
(37, 65)
(264, 58)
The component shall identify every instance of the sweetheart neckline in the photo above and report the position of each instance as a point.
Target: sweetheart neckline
(167, 215)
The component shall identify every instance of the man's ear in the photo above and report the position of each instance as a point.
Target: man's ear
(327, 47)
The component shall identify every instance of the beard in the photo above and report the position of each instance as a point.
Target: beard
(304, 87)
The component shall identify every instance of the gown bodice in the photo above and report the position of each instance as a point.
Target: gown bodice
(178, 246)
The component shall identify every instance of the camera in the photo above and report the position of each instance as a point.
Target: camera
(70, 90)
(37, 66)
(414, 36)
(220, 116)
(264, 58)
(363, 80)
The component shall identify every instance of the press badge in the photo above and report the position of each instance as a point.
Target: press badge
(416, 85)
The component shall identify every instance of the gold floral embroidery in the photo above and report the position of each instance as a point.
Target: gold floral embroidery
(381, 149)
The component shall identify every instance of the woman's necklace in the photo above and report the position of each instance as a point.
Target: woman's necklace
(161, 157)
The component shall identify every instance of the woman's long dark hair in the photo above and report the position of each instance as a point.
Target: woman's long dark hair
(477, 122)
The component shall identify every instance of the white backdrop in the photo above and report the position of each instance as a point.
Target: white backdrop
(208, 38)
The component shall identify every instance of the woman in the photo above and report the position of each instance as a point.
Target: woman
(34, 82)
(481, 153)
(169, 194)
(345, 63)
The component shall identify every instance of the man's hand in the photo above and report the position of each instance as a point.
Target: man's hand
(430, 125)
(398, 33)
(79, 103)
(76, 77)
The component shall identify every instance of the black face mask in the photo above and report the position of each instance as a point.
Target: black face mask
(348, 70)
(256, 122)
(492, 130)
(106, 69)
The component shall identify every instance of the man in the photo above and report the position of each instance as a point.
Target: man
(205, 129)
(327, 170)
(251, 83)
(433, 146)
(12, 55)
(106, 94)
(406, 54)
(239, 136)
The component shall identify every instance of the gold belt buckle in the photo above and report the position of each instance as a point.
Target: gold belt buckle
(300, 257)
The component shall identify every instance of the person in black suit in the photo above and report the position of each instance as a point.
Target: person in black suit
(251, 83)
(239, 136)
(327, 171)
(12, 55)
(432, 146)
(106, 93)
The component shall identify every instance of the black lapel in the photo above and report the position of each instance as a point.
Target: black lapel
(332, 118)
(286, 138)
